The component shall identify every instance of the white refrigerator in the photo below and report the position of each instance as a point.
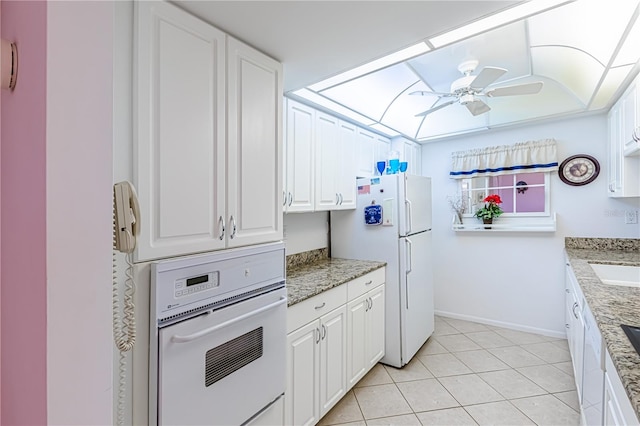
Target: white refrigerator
(392, 223)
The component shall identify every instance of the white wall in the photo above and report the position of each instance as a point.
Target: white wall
(79, 212)
(516, 279)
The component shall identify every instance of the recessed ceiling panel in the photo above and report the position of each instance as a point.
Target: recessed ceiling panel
(452, 119)
(510, 109)
(594, 26)
(630, 51)
(371, 94)
(401, 113)
(505, 47)
(575, 69)
(612, 82)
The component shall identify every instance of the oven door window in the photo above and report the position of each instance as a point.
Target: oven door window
(216, 378)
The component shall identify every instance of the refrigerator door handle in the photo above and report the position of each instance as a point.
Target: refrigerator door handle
(409, 269)
(409, 218)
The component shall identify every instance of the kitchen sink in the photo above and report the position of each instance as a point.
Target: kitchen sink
(624, 275)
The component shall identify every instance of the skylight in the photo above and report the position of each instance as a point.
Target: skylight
(582, 51)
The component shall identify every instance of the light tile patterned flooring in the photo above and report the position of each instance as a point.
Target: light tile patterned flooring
(467, 374)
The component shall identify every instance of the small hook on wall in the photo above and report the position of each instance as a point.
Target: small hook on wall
(8, 64)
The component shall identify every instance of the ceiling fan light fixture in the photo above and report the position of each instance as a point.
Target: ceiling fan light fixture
(467, 98)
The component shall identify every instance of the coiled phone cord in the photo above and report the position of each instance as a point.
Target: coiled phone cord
(124, 330)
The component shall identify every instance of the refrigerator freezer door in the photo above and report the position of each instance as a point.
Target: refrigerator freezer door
(414, 204)
(416, 293)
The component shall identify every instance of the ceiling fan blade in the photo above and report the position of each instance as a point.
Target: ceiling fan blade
(517, 89)
(427, 93)
(477, 107)
(429, 111)
(487, 76)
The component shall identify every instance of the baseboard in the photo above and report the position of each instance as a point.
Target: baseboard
(509, 325)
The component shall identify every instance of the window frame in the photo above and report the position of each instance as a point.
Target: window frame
(471, 209)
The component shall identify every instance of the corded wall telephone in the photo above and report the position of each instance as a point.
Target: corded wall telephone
(126, 214)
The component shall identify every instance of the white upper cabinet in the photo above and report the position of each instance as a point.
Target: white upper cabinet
(190, 195)
(346, 174)
(254, 146)
(335, 187)
(366, 153)
(299, 170)
(624, 158)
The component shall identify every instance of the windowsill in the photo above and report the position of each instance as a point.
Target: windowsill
(524, 224)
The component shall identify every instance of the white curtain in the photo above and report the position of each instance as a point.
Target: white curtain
(524, 157)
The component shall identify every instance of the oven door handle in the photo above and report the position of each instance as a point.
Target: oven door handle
(191, 337)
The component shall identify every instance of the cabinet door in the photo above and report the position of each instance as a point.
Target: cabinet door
(412, 155)
(375, 326)
(327, 197)
(299, 158)
(303, 374)
(346, 173)
(254, 146)
(383, 145)
(357, 329)
(179, 147)
(333, 354)
(366, 149)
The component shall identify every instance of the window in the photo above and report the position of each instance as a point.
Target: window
(524, 194)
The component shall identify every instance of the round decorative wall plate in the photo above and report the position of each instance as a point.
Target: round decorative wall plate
(579, 170)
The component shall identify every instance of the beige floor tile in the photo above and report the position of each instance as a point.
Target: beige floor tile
(548, 352)
(565, 367)
(360, 423)
(520, 337)
(431, 347)
(511, 384)
(549, 378)
(562, 344)
(466, 326)
(501, 413)
(407, 419)
(376, 376)
(345, 411)
(427, 395)
(447, 417)
(489, 339)
(441, 365)
(570, 398)
(480, 361)
(457, 343)
(415, 370)
(515, 356)
(470, 389)
(381, 401)
(547, 410)
(442, 328)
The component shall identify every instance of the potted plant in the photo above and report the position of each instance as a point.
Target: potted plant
(490, 210)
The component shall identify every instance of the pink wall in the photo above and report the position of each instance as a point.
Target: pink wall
(23, 220)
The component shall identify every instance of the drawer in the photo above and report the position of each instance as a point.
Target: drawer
(313, 308)
(360, 286)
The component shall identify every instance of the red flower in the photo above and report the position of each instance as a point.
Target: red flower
(493, 199)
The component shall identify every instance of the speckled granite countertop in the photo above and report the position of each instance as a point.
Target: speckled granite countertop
(612, 306)
(307, 280)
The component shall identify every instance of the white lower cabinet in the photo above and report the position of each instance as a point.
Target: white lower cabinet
(574, 325)
(316, 374)
(618, 410)
(365, 342)
(325, 342)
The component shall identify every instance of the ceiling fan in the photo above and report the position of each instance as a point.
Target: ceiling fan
(468, 89)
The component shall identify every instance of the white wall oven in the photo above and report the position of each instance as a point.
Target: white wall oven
(218, 337)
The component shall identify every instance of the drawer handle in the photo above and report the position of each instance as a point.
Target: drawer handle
(321, 306)
(368, 282)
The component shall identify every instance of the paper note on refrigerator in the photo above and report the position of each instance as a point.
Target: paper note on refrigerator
(387, 212)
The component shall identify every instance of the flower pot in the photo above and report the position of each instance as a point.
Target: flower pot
(487, 222)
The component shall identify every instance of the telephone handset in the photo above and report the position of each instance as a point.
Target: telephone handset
(126, 227)
(127, 212)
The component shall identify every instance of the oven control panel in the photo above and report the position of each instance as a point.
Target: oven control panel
(187, 286)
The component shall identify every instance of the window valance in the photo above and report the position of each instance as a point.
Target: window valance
(524, 157)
